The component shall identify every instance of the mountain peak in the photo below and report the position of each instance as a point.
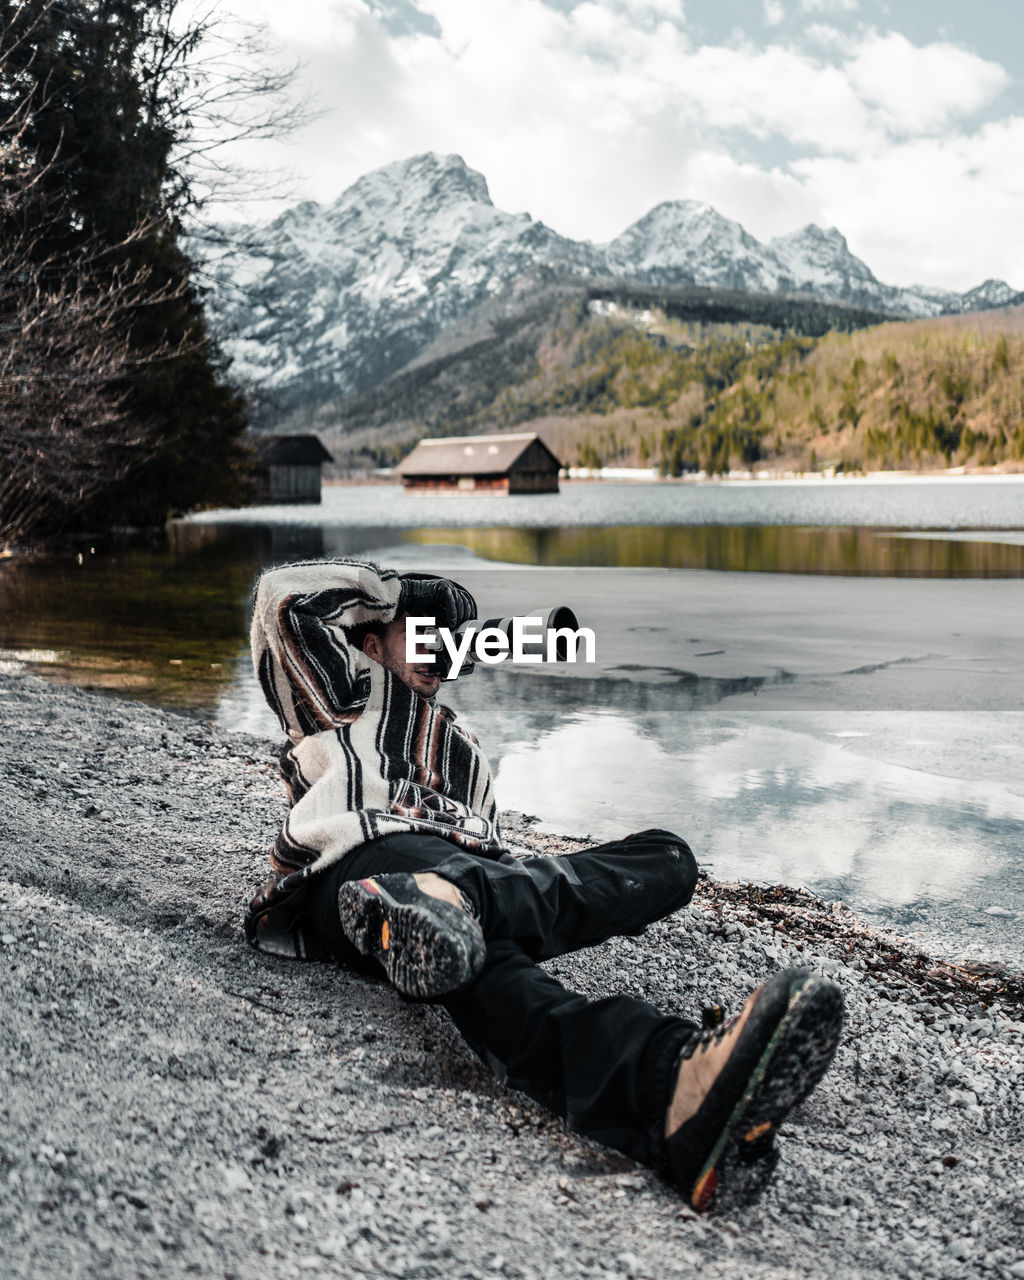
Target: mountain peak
(812, 234)
(685, 213)
(427, 179)
(820, 261)
(679, 222)
(688, 240)
(990, 293)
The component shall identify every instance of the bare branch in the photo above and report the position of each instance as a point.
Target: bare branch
(213, 80)
(67, 366)
(78, 312)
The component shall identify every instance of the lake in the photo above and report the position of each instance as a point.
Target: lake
(936, 503)
(815, 682)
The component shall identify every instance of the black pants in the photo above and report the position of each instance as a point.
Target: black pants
(604, 1065)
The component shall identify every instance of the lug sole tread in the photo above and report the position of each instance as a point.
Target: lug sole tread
(424, 950)
(739, 1166)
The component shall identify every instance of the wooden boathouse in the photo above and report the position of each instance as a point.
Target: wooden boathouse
(286, 468)
(516, 463)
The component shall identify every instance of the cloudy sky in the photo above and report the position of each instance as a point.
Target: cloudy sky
(901, 123)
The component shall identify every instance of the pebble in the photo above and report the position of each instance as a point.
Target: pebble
(321, 1140)
(237, 1180)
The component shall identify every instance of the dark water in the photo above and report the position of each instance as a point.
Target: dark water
(163, 622)
(850, 552)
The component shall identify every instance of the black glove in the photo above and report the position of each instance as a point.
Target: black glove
(425, 595)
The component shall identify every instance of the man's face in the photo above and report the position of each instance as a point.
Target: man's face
(389, 651)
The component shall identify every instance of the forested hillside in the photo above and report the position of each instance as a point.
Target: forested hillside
(610, 385)
(931, 393)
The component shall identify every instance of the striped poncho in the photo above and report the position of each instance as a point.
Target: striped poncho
(366, 755)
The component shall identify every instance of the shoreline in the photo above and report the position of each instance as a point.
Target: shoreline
(178, 1103)
(1010, 471)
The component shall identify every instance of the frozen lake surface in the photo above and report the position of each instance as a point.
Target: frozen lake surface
(990, 502)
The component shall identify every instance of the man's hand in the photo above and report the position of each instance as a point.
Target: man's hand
(428, 596)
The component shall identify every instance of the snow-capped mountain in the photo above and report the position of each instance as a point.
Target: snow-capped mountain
(820, 262)
(688, 242)
(327, 299)
(985, 296)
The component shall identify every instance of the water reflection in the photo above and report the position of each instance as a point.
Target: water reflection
(265, 544)
(772, 803)
(745, 548)
(156, 621)
(167, 620)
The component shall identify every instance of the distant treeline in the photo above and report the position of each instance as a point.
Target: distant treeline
(915, 395)
(799, 314)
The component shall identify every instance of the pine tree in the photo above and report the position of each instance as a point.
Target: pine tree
(89, 96)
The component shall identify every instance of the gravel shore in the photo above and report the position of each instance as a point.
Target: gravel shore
(176, 1104)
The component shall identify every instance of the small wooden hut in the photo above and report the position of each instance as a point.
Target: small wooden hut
(287, 468)
(517, 463)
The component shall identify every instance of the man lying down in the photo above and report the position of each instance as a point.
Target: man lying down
(391, 854)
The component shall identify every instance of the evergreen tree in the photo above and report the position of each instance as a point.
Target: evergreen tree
(91, 92)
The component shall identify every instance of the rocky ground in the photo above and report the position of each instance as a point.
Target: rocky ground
(176, 1104)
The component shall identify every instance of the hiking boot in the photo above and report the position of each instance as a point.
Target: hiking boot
(736, 1082)
(425, 945)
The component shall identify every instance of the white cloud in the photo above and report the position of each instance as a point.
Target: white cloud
(313, 23)
(921, 88)
(829, 6)
(942, 211)
(653, 10)
(589, 117)
(777, 90)
(826, 36)
(774, 12)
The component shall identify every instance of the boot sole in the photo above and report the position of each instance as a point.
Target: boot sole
(425, 948)
(792, 1063)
